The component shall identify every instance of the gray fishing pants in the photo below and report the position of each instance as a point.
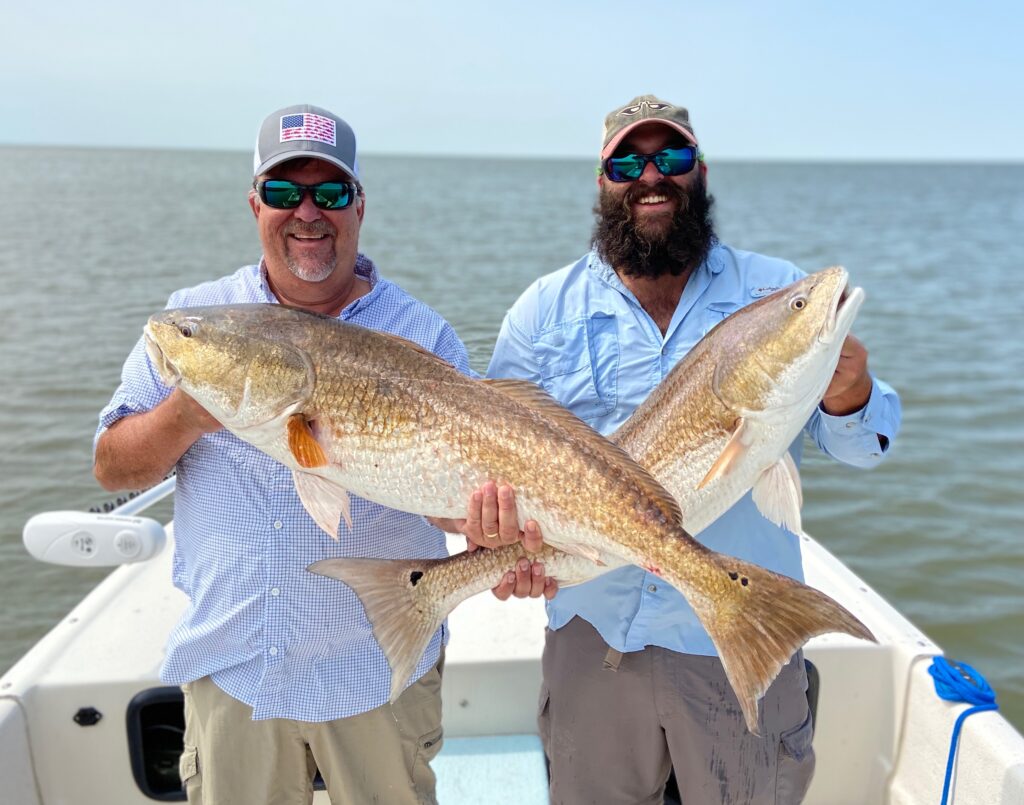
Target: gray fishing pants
(613, 725)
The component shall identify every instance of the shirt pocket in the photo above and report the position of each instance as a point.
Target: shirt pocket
(578, 362)
(715, 313)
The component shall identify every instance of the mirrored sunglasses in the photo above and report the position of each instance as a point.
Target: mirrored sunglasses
(668, 161)
(284, 195)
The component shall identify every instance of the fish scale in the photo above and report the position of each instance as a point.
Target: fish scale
(375, 452)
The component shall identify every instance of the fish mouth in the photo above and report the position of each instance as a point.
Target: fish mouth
(168, 374)
(845, 304)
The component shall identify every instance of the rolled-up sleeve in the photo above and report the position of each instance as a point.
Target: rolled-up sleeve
(141, 390)
(865, 437)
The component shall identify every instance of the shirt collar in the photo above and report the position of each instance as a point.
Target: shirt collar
(713, 264)
(364, 269)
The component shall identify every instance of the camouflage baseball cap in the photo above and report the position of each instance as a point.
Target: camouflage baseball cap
(643, 109)
(305, 131)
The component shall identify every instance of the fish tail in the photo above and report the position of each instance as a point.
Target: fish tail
(758, 619)
(398, 604)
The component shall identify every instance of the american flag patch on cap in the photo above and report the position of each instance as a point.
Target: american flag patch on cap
(308, 126)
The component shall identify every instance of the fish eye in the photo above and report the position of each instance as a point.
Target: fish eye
(187, 330)
(798, 303)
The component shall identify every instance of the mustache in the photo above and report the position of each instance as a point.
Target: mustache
(320, 227)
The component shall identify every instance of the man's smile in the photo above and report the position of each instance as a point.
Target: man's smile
(654, 198)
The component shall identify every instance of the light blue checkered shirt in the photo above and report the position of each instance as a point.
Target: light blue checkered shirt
(288, 643)
(583, 336)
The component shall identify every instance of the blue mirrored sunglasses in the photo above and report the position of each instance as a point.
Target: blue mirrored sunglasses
(668, 161)
(284, 195)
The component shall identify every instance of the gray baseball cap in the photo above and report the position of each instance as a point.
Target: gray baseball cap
(640, 110)
(305, 131)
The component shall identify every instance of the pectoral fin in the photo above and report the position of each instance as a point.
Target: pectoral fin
(303, 444)
(324, 500)
(733, 452)
(778, 494)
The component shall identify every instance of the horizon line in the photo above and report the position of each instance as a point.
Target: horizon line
(960, 160)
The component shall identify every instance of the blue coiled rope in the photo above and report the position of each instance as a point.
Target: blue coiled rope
(958, 682)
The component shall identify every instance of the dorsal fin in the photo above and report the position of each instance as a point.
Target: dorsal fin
(533, 396)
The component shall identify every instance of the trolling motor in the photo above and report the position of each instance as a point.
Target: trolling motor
(99, 539)
(87, 539)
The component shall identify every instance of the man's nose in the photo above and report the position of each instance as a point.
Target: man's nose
(307, 210)
(651, 175)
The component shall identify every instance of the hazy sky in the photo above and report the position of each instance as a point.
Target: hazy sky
(818, 79)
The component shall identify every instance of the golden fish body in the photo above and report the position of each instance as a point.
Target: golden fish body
(353, 410)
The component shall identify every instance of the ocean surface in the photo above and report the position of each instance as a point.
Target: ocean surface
(93, 241)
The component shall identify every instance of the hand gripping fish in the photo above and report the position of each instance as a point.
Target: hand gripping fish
(355, 410)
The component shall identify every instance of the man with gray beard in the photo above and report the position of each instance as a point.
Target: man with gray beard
(633, 686)
(279, 667)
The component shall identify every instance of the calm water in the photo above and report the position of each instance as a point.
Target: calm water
(93, 241)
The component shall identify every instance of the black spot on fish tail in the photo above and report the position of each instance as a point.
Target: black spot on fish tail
(415, 576)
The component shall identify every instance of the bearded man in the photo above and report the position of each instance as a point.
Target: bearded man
(632, 684)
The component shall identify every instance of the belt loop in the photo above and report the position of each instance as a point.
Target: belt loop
(612, 660)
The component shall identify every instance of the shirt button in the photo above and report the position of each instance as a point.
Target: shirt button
(273, 651)
(851, 425)
(278, 524)
(653, 588)
(275, 591)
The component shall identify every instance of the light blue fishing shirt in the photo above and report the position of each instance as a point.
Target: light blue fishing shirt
(583, 336)
(287, 642)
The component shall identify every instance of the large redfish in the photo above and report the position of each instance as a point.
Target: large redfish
(354, 410)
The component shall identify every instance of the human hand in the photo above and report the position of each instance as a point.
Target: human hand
(850, 387)
(492, 520)
(190, 415)
(527, 581)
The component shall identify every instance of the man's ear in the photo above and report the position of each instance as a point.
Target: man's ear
(254, 203)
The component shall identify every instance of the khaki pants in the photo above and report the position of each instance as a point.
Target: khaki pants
(381, 756)
(613, 725)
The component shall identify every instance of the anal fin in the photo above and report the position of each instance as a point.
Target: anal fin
(589, 552)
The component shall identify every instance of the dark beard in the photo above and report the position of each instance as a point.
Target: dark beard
(637, 253)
